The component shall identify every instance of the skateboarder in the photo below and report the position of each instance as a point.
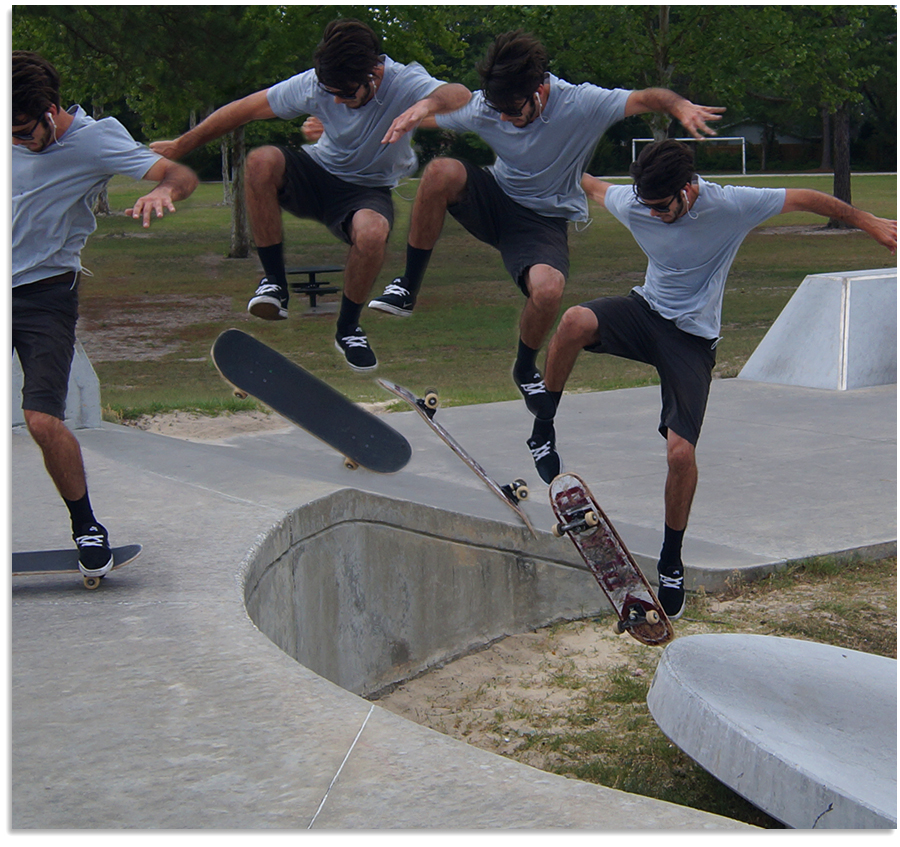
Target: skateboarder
(543, 131)
(690, 231)
(61, 161)
(368, 105)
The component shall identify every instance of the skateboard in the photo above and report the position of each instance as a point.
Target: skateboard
(608, 559)
(66, 561)
(252, 368)
(511, 494)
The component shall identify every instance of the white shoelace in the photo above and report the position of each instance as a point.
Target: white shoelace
(541, 451)
(268, 288)
(393, 288)
(89, 540)
(355, 341)
(533, 387)
(670, 581)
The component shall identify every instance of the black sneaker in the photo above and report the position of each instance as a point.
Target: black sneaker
(396, 300)
(537, 399)
(542, 445)
(94, 555)
(355, 347)
(270, 301)
(671, 589)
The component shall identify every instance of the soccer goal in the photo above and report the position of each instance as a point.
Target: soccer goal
(716, 140)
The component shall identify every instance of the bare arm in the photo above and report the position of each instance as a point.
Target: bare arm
(883, 230)
(254, 107)
(446, 98)
(175, 182)
(692, 117)
(595, 188)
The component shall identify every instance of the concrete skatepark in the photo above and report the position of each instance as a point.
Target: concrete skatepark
(162, 701)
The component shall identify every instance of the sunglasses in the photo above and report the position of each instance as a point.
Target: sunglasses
(28, 135)
(510, 113)
(661, 208)
(341, 93)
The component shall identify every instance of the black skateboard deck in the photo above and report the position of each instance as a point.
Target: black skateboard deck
(510, 494)
(253, 368)
(66, 561)
(608, 559)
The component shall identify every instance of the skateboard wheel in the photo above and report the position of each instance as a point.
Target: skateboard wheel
(431, 399)
(349, 464)
(557, 530)
(619, 627)
(591, 518)
(652, 616)
(241, 395)
(520, 489)
(91, 582)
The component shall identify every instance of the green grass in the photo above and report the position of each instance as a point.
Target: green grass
(173, 288)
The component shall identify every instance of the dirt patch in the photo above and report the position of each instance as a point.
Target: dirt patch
(135, 330)
(802, 229)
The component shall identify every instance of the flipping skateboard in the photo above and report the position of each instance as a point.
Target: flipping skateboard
(66, 561)
(608, 559)
(359, 436)
(426, 406)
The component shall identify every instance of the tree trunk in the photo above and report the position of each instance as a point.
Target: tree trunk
(841, 161)
(101, 204)
(240, 231)
(227, 183)
(826, 140)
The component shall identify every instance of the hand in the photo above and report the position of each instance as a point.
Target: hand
(884, 231)
(407, 122)
(168, 149)
(312, 129)
(156, 200)
(693, 118)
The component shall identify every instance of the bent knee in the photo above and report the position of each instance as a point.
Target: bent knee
(42, 427)
(265, 165)
(580, 326)
(369, 230)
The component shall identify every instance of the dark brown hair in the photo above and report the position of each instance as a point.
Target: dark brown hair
(35, 86)
(347, 54)
(662, 169)
(513, 69)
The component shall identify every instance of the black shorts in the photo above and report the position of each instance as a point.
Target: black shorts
(523, 237)
(43, 334)
(309, 191)
(629, 328)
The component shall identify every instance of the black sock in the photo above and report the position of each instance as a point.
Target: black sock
(525, 360)
(557, 396)
(272, 259)
(348, 319)
(81, 512)
(671, 549)
(416, 264)
(542, 431)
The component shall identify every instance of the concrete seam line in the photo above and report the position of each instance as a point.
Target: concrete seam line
(335, 778)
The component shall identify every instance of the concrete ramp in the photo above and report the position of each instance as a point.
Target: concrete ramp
(807, 732)
(838, 331)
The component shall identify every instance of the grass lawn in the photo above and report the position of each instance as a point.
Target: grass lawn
(158, 299)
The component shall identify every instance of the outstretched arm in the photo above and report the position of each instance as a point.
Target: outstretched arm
(595, 188)
(691, 116)
(175, 182)
(254, 107)
(446, 98)
(883, 230)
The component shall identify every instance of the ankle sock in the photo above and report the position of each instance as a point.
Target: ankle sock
(80, 512)
(348, 319)
(416, 264)
(671, 549)
(525, 360)
(272, 259)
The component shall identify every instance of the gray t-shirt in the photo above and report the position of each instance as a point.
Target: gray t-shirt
(53, 193)
(351, 147)
(689, 260)
(540, 165)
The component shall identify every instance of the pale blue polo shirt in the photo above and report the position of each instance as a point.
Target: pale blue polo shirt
(540, 165)
(351, 147)
(53, 193)
(689, 260)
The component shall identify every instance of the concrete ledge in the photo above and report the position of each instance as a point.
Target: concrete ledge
(805, 731)
(367, 591)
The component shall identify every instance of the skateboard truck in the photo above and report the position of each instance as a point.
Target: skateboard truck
(585, 519)
(637, 615)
